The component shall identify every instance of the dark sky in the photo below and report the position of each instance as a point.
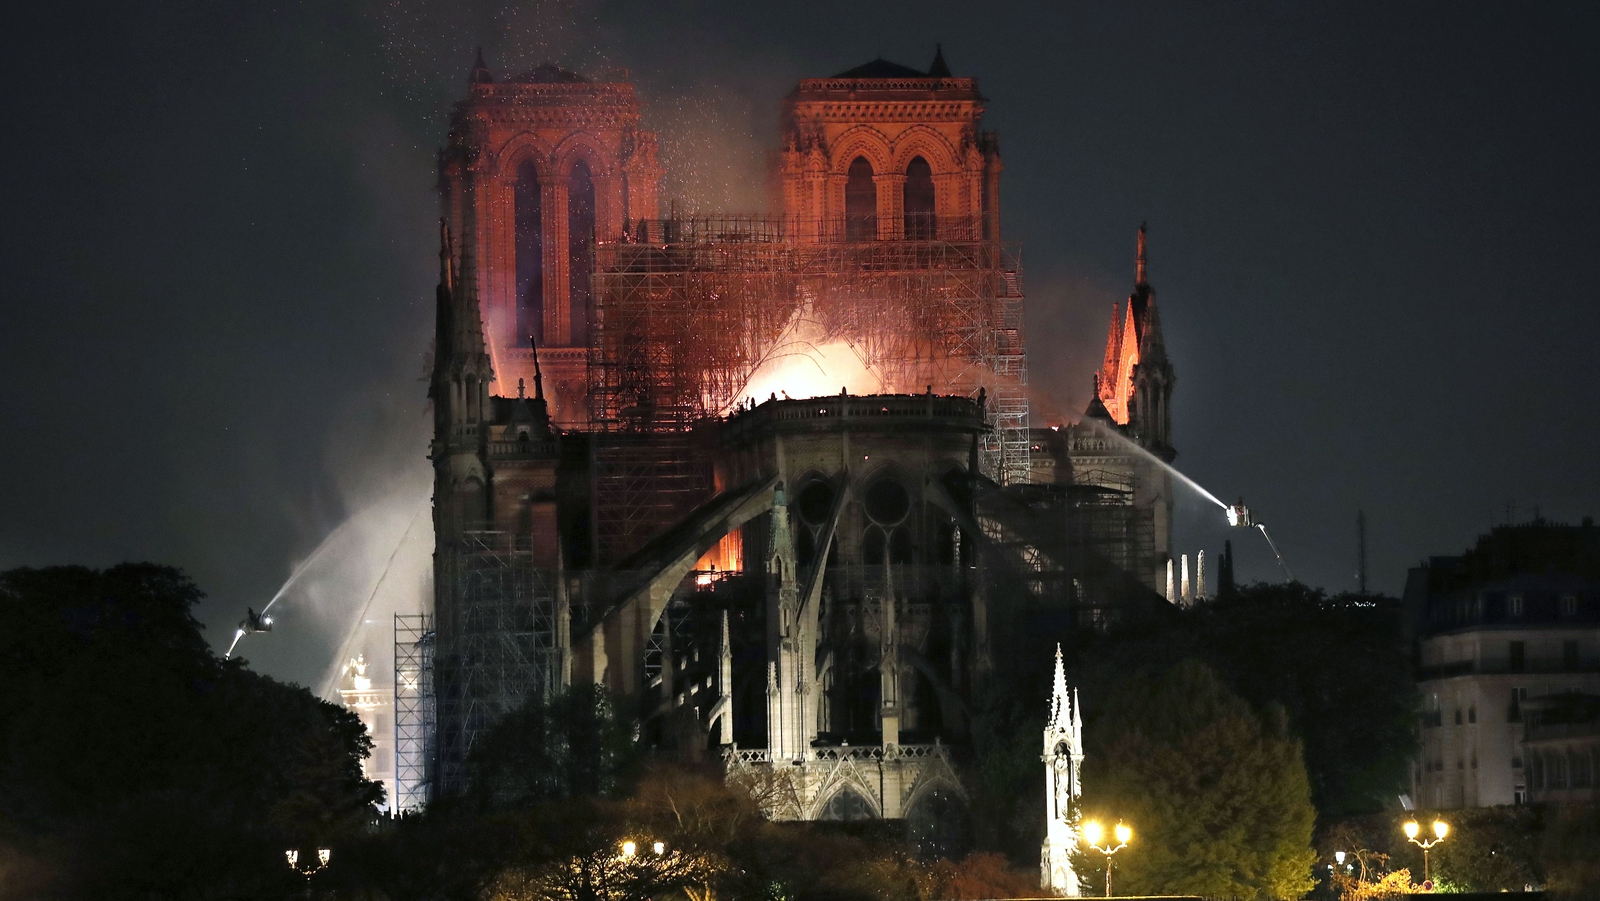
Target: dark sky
(1372, 229)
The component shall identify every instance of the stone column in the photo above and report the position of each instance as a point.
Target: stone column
(891, 206)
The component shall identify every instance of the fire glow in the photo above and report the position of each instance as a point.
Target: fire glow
(803, 370)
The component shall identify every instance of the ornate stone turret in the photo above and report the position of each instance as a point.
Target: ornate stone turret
(459, 389)
(1063, 763)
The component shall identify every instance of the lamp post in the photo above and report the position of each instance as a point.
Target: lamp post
(310, 869)
(1093, 832)
(1440, 830)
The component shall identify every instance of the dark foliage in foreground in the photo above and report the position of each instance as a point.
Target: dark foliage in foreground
(136, 764)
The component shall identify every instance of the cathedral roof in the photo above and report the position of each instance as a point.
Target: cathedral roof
(882, 68)
(549, 73)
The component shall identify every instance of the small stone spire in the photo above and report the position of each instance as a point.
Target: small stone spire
(938, 69)
(1061, 712)
(466, 340)
(480, 70)
(538, 376)
(1139, 276)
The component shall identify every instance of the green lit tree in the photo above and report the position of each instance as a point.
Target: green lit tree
(1216, 794)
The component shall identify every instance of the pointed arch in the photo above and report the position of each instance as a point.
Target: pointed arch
(523, 148)
(579, 146)
(863, 141)
(928, 143)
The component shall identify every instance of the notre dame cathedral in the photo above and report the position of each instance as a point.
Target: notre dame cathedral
(635, 488)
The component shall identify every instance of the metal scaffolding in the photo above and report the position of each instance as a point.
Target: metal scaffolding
(687, 310)
(413, 710)
(496, 647)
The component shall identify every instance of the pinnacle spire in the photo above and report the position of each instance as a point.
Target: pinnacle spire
(480, 70)
(1060, 699)
(1139, 272)
(538, 376)
(938, 69)
(467, 345)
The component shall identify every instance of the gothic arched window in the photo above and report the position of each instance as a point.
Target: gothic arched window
(846, 806)
(529, 215)
(860, 202)
(921, 221)
(580, 248)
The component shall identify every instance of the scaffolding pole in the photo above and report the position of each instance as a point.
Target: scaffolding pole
(496, 644)
(413, 710)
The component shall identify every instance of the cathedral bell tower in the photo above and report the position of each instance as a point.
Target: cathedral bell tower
(1063, 765)
(540, 168)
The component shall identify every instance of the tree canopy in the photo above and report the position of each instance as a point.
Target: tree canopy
(1216, 794)
(135, 763)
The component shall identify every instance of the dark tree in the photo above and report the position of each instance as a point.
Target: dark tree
(1216, 794)
(146, 766)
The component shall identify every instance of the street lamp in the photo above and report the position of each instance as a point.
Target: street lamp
(629, 849)
(1440, 829)
(310, 870)
(1093, 832)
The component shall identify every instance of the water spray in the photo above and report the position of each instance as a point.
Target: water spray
(1238, 515)
(338, 660)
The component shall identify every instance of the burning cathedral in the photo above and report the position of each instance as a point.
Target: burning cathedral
(769, 477)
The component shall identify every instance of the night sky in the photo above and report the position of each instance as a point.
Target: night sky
(1371, 234)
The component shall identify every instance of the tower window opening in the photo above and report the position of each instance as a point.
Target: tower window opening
(529, 215)
(580, 249)
(860, 202)
(921, 220)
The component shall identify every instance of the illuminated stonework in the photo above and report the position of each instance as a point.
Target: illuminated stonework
(537, 168)
(890, 152)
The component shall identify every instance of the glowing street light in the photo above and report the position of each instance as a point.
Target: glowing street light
(1440, 829)
(660, 848)
(1093, 832)
(310, 870)
(629, 849)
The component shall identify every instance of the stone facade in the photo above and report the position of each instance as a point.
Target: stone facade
(538, 167)
(889, 128)
(1506, 636)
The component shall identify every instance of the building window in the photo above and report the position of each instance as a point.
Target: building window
(580, 250)
(1569, 605)
(1458, 716)
(1569, 655)
(1518, 657)
(919, 201)
(860, 202)
(528, 218)
(1519, 795)
(1514, 606)
(1472, 713)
